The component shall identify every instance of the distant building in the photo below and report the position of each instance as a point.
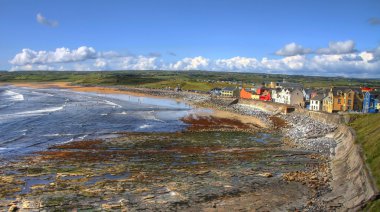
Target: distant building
(230, 92)
(216, 91)
(340, 99)
(291, 96)
(371, 102)
(316, 103)
(244, 94)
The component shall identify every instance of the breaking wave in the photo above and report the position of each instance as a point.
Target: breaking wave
(13, 95)
(112, 104)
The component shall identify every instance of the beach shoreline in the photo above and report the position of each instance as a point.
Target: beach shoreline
(307, 181)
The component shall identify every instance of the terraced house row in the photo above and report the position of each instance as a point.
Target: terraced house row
(332, 100)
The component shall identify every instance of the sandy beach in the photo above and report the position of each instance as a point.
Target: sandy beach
(107, 90)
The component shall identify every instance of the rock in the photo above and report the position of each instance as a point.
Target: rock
(13, 208)
(266, 174)
(111, 206)
(30, 204)
(149, 197)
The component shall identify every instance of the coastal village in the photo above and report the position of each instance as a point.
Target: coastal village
(252, 149)
(330, 100)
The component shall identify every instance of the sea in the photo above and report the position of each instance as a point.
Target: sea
(33, 119)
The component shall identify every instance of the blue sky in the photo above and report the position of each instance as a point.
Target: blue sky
(332, 37)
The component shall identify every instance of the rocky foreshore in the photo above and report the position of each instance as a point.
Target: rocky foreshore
(310, 134)
(214, 165)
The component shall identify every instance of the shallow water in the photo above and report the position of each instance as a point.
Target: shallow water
(32, 119)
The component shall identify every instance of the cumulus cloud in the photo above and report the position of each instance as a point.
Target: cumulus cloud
(139, 63)
(292, 49)
(355, 64)
(339, 47)
(42, 20)
(100, 63)
(60, 55)
(196, 63)
(374, 21)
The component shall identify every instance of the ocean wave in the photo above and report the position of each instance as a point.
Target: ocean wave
(152, 116)
(144, 126)
(112, 104)
(58, 134)
(32, 112)
(46, 110)
(13, 95)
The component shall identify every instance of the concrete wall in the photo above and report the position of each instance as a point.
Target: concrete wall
(352, 183)
(353, 186)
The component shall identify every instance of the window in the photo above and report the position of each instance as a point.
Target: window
(349, 101)
(339, 101)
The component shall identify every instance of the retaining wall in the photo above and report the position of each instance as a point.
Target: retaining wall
(352, 183)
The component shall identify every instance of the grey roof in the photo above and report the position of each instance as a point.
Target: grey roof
(229, 88)
(318, 97)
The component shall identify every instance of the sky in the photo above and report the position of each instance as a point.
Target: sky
(307, 37)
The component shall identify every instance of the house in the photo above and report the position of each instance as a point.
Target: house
(278, 95)
(339, 99)
(358, 100)
(244, 94)
(216, 91)
(229, 92)
(255, 96)
(316, 103)
(291, 96)
(371, 102)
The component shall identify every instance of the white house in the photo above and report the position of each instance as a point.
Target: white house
(316, 103)
(290, 96)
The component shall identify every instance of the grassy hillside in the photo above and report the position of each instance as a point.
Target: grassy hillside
(189, 80)
(367, 128)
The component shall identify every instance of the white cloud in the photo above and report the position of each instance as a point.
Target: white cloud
(42, 20)
(237, 63)
(292, 49)
(138, 63)
(339, 47)
(195, 63)
(100, 63)
(60, 55)
(356, 64)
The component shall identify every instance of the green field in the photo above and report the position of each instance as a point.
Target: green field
(367, 128)
(188, 80)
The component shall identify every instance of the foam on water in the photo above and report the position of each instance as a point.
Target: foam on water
(112, 104)
(46, 110)
(144, 126)
(13, 95)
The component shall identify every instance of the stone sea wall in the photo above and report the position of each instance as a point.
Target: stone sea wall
(352, 183)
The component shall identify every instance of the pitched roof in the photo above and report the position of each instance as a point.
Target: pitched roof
(344, 89)
(229, 89)
(318, 97)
